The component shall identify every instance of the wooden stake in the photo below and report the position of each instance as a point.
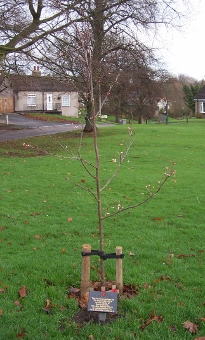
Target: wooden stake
(85, 272)
(119, 276)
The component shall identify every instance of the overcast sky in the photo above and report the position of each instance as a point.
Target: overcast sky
(184, 52)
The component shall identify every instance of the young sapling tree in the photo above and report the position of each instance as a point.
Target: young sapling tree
(94, 169)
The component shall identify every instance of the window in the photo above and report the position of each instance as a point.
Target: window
(203, 107)
(31, 100)
(66, 100)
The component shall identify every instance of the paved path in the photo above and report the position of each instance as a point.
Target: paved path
(31, 127)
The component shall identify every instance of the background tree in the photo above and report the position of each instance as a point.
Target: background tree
(173, 92)
(190, 91)
(24, 23)
(105, 20)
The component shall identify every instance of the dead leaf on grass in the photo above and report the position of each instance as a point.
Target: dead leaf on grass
(193, 328)
(129, 291)
(200, 338)
(2, 290)
(17, 303)
(131, 254)
(152, 317)
(21, 334)
(163, 278)
(22, 291)
(91, 337)
(36, 237)
(70, 219)
(48, 306)
(184, 255)
(146, 285)
(1, 311)
(75, 291)
(173, 328)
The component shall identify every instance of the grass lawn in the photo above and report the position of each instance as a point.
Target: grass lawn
(45, 219)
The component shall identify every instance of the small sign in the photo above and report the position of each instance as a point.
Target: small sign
(102, 301)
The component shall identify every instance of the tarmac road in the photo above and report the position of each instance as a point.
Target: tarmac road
(31, 127)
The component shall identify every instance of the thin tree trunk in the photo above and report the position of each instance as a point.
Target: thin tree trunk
(88, 118)
(100, 221)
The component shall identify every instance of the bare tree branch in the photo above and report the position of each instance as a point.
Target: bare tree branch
(85, 189)
(145, 200)
(121, 160)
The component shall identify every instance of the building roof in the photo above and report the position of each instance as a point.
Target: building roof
(21, 82)
(200, 94)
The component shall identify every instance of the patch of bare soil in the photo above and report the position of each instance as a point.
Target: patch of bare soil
(84, 316)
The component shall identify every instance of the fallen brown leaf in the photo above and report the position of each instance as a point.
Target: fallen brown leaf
(48, 303)
(91, 337)
(75, 291)
(200, 338)
(184, 255)
(173, 328)
(146, 285)
(48, 306)
(1, 311)
(129, 291)
(163, 278)
(70, 219)
(193, 328)
(2, 290)
(17, 303)
(131, 254)
(152, 317)
(22, 292)
(22, 334)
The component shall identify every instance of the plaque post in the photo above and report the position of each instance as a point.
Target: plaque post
(85, 273)
(102, 315)
(119, 277)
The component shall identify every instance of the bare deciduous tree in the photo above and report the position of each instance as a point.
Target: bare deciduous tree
(31, 24)
(24, 23)
(94, 169)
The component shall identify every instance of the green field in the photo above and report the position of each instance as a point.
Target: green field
(45, 218)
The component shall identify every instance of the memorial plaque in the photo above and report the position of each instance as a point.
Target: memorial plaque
(104, 302)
